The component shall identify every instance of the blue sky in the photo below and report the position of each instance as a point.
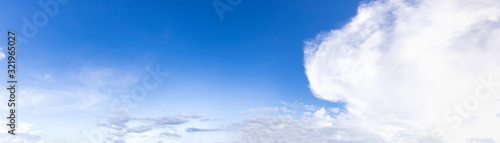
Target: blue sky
(269, 71)
(259, 45)
(218, 68)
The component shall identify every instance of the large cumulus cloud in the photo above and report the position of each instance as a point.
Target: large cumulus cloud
(410, 70)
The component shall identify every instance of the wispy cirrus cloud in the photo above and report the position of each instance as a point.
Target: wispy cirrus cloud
(85, 89)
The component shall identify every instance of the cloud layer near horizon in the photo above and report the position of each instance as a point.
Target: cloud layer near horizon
(413, 69)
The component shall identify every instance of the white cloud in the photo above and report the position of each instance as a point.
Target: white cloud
(86, 92)
(318, 127)
(268, 110)
(334, 110)
(194, 129)
(24, 134)
(123, 128)
(89, 90)
(2, 55)
(401, 65)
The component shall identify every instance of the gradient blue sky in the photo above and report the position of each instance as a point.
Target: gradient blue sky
(218, 68)
(404, 71)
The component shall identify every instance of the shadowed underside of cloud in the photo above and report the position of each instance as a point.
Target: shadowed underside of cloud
(413, 70)
(193, 129)
(120, 128)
